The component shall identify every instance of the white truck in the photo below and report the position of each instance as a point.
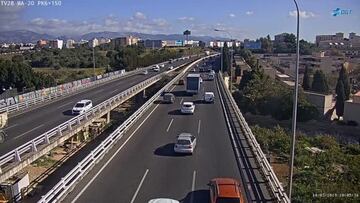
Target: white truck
(3, 123)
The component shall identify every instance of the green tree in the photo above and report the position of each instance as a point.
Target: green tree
(306, 79)
(226, 58)
(319, 83)
(344, 78)
(340, 99)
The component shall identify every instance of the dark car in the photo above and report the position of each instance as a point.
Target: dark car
(169, 98)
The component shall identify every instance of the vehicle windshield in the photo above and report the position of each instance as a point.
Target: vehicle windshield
(228, 200)
(79, 105)
(187, 105)
(183, 142)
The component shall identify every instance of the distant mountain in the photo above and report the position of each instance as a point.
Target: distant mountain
(25, 36)
(22, 36)
(144, 36)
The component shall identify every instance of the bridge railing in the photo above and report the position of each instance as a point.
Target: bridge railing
(272, 180)
(66, 183)
(28, 100)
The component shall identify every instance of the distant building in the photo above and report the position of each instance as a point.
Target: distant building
(42, 43)
(93, 43)
(104, 41)
(173, 43)
(191, 43)
(323, 102)
(56, 44)
(251, 44)
(280, 38)
(219, 44)
(125, 41)
(352, 109)
(155, 44)
(202, 44)
(70, 44)
(28, 46)
(338, 41)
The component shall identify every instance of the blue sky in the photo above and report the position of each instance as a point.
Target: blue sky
(242, 18)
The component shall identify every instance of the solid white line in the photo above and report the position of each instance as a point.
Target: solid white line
(199, 125)
(138, 188)
(193, 181)
(29, 131)
(64, 105)
(182, 99)
(112, 157)
(167, 130)
(7, 128)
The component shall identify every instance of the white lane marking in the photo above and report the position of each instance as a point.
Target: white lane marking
(193, 187)
(29, 131)
(199, 126)
(112, 157)
(99, 91)
(7, 128)
(64, 105)
(114, 91)
(138, 188)
(167, 130)
(182, 99)
(193, 181)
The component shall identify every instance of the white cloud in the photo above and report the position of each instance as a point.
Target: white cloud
(249, 12)
(231, 15)
(303, 14)
(186, 18)
(140, 16)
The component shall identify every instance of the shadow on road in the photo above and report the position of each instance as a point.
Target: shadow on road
(198, 196)
(167, 150)
(181, 93)
(68, 113)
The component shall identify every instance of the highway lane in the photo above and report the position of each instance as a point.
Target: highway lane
(30, 124)
(146, 167)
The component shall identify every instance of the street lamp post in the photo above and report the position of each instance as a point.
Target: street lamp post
(93, 53)
(293, 127)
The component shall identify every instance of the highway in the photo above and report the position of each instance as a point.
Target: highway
(142, 165)
(32, 123)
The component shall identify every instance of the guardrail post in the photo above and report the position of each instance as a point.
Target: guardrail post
(59, 131)
(69, 126)
(47, 140)
(27, 104)
(17, 156)
(17, 106)
(78, 120)
(33, 146)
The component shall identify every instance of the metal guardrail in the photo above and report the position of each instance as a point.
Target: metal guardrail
(68, 182)
(272, 180)
(76, 123)
(43, 99)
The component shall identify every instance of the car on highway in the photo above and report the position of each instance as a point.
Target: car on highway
(225, 190)
(211, 76)
(156, 68)
(185, 143)
(187, 108)
(145, 72)
(181, 82)
(169, 98)
(162, 65)
(82, 106)
(171, 67)
(163, 200)
(209, 97)
(193, 70)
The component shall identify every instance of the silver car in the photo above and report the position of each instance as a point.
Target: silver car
(185, 143)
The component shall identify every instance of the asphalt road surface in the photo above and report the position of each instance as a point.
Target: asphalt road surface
(28, 125)
(143, 165)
